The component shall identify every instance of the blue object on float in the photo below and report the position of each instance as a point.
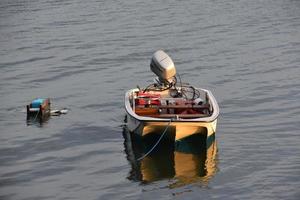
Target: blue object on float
(37, 102)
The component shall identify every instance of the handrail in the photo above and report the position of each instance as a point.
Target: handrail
(186, 116)
(206, 106)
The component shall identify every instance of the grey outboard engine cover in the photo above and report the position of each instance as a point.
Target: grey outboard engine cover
(163, 66)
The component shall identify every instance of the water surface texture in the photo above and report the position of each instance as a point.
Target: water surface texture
(84, 55)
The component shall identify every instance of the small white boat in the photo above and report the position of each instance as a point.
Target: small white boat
(170, 105)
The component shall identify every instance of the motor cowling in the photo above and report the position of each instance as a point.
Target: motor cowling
(163, 66)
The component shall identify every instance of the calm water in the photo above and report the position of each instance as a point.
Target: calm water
(84, 55)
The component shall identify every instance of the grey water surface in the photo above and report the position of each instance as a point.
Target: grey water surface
(84, 55)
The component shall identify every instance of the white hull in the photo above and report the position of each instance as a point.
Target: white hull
(183, 129)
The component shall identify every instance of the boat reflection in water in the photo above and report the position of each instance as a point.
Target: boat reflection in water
(192, 160)
(37, 120)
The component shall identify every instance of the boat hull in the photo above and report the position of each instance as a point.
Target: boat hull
(182, 129)
(188, 161)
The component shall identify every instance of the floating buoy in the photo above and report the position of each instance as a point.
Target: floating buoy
(39, 109)
(58, 112)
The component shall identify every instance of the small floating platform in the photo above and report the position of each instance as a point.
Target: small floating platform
(39, 108)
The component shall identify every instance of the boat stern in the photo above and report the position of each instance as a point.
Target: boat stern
(180, 129)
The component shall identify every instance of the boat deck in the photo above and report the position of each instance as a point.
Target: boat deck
(169, 108)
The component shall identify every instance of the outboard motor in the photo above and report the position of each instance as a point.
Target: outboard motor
(163, 66)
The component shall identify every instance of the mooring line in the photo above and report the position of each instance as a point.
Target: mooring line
(162, 135)
(36, 115)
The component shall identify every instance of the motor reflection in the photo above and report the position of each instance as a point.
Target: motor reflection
(192, 160)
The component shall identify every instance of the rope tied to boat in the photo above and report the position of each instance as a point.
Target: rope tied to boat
(162, 135)
(38, 112)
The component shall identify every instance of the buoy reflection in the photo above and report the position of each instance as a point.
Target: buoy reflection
(188, 161)
(37, 120)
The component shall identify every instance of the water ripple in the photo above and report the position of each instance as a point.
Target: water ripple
(84, 55)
